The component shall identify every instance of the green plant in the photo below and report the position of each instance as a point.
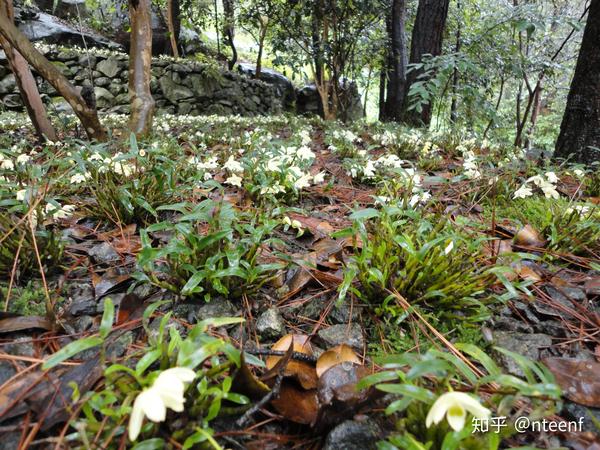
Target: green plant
(421, 257)
(419, 379)
(104, 413)
(213, 251)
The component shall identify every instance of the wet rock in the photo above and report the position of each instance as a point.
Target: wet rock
(118, 347)
(7, 370)
(10, 440)
(353, 435)
(270, 324)
(342, 334)
(531, 346)
(218, 307)
(586, 414)
(21, 346)
(344, 312)
(103, 253)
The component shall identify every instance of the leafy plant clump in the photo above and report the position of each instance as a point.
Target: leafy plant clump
(420, 257)
(211, 251)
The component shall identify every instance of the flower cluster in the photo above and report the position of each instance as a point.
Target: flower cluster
(547, 184)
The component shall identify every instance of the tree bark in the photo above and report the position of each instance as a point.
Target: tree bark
(26, 82)
(173, 25)
(140, 61)
(580, 129)
(397, 62)
(86, 114)
(229, 29)
(264, 24)
(427, 36)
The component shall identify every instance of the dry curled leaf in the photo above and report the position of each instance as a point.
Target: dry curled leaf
(578, 379)
(336, 355)
(529, 237)
(302, 371)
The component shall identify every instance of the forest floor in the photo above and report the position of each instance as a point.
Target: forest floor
(409, 262)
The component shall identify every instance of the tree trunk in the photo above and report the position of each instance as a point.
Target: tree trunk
(26, 82)
(86, 114)
(397, 62)
(229, 29)
(140, 61)
(173, 25)
(382, 79)
(264, 24)
(455, 74)
(427, 36)
(580, 129)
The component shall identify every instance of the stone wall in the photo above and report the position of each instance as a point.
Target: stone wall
(178, 86)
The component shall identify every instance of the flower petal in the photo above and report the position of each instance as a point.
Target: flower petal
(438, 410)
(456, 417)
(153, 405)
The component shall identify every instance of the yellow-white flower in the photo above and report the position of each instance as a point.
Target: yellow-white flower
(166, 392)
(234, 180)
(455, 406)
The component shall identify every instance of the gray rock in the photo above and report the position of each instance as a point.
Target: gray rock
(102, 81)
(270, 324)
(8, 84)
(342, 334)
(576, 411)
(21, 346)
(10, 440)
(109, 67)
(40, 26)
(172, 91)
(353, 435)
(103, 253)
(531, 346)
(7, 370)
(283, 86)
(218, 307)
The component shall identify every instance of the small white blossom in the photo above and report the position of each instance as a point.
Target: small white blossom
(234, 180)
(455, 405)
(523, 192)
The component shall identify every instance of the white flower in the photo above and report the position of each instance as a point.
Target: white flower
(552, 178)
(21, 195)
(79, 177)
(369, 171)
(523, 192)
(319, 178)
(449, 247)
(579, 173)
(142, 152)
(549, 190)
(455, 405)
(166, 392)
(536, 179)
(303, 181)
(7, 164)
(232, 165)
(305, 153)
(23, 159)
(95, 157)
(60, 212)
(234, 180)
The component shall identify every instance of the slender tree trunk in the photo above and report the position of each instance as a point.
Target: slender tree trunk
(264, 24)
(397, 63)
(382, 80)
(86, 114)
(427, 36)
(229, 29)
(172, 12)
(26, 82)
(455, 74)
(140, 61)
(580, 129)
